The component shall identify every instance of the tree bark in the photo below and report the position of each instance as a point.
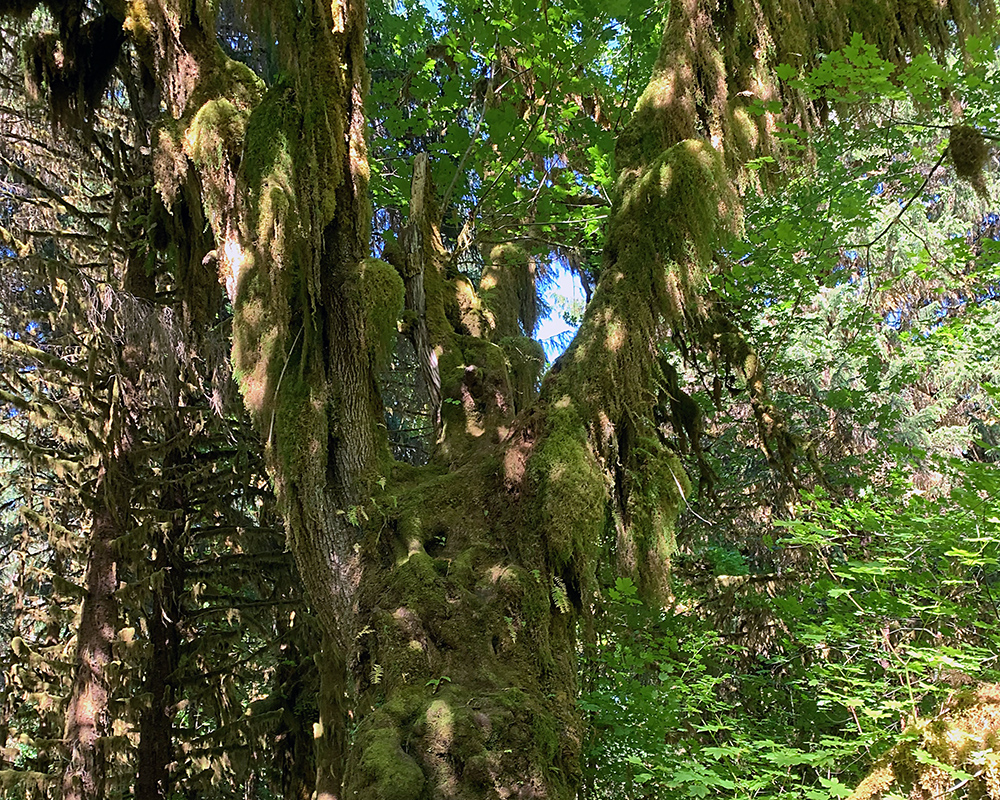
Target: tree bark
(88, 715)
(156, 746)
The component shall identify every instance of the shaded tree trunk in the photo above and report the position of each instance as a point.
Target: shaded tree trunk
(156, 747)
(88, 716)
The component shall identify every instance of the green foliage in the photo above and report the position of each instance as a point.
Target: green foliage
(897, 611)
(517, 109)
(801, 643)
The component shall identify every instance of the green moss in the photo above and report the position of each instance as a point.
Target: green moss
(969, 153)
(483, 354)
(243, 85)
(687, 185)
(506, 286)
(475, 383)
(267, 164)
(405, 704)
(463, 637)
(547, 733)
(513, 699)
(391, 773)
(300, 416)
(217, 127)
(463, 568)
(658, 486)
(571, 488)
(525, 360)
(419, 582)
(478, 770)
(382, 294)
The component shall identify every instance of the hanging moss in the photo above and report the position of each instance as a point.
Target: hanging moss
(213, 139)
(525, 360)
(508, 290)
(170, 165)
(214, 134)
(72, 68)
(299, 419)
(138, 22)
(571, 488)
(716, 59)
(657, 491)
(261, 337)
(969, 152)
(687, 185)
(267, 161)
(382, 295)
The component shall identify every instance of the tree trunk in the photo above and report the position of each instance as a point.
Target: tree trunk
(466, 665)
(330, 735)
(156, 747)
(88, 716)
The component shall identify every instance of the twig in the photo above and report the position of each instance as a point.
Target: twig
(284, 366)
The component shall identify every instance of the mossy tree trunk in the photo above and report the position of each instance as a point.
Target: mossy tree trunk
(451, 596)
(282, 178)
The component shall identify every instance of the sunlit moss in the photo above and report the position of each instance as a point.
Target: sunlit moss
(382, 295)
(572, 489)
(389, 773)
(963, 737)
(508, 290)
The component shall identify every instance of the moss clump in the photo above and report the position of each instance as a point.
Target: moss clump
(688, 186)
(508, 290)
(525, 360)
(382, 294)
(213, 141)
(969, 153)
(170, 164)
(214, 130)
(475, 385)
(571, 489)
(390, 773)
(658, 486)
(300, 416)
(138, 22)
(463, 308)
(419, 581)
(267, 165)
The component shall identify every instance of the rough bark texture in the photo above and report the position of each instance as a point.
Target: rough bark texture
(330, 735)
(88, 716)
(418, 254)
(156, 746)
